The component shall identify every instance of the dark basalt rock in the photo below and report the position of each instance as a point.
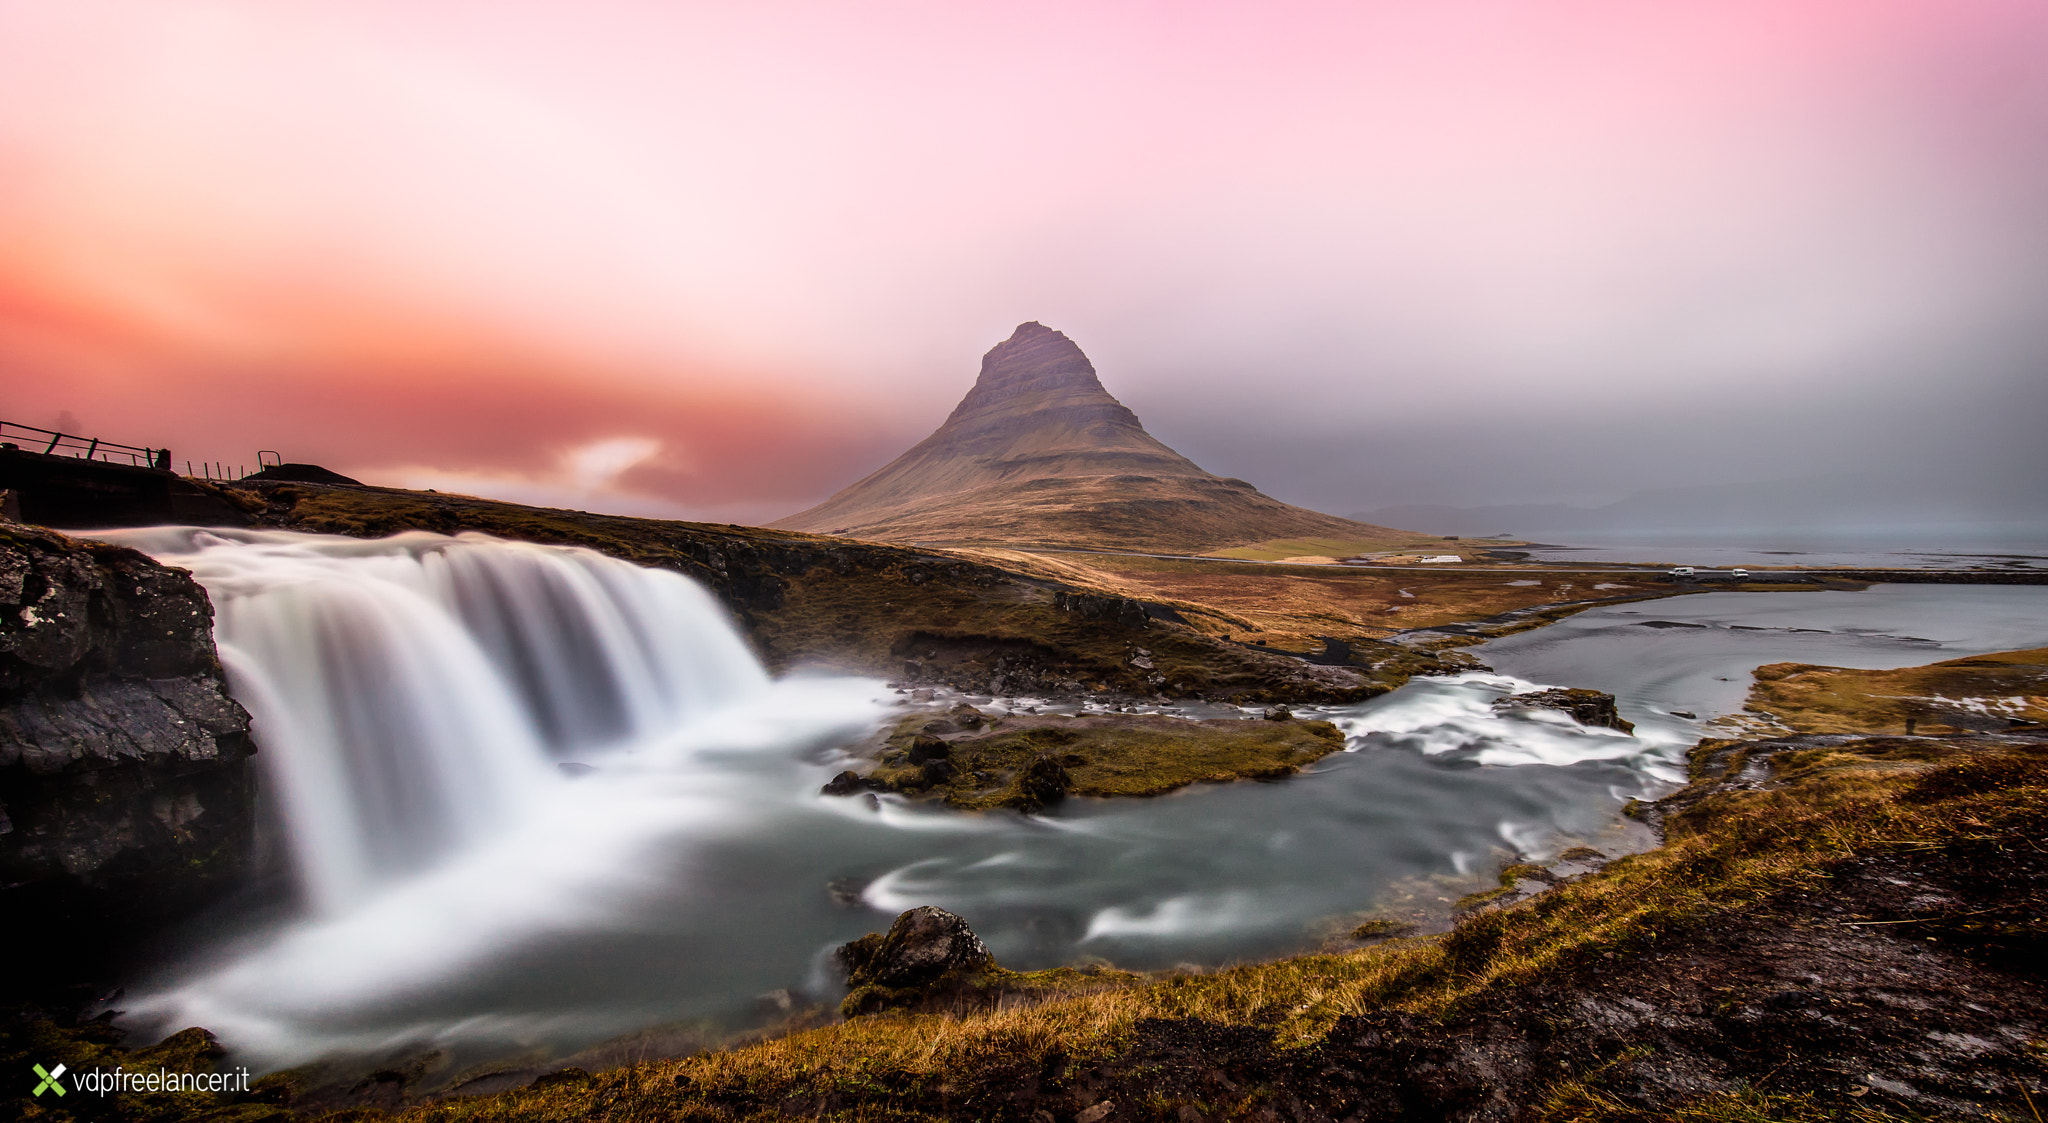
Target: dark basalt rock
(922, 945)
(127, 796)
(928, 955)
(848, 782)
(924, 749)
(966, 717)
(1587, 707)
(1043, 783)
(1122, 610)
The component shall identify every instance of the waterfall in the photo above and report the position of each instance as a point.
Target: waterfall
(415, 695)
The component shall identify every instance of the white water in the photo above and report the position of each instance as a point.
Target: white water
(410, 692)
(415, 699)
(1453, 717)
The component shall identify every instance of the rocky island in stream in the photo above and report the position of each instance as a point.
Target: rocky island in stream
(974, 761)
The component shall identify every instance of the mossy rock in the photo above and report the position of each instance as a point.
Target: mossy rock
(928, 955)
(1029, 763)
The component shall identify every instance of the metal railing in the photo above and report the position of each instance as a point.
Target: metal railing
(50, 442)
(216, 471)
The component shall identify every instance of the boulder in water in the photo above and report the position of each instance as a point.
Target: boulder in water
(848, 782)
(928, 956)
(1587, 707)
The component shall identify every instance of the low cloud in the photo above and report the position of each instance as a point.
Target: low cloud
(592, 476)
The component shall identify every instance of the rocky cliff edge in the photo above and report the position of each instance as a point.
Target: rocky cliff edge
(127, 792)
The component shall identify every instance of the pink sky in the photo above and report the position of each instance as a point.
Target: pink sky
(719, 259)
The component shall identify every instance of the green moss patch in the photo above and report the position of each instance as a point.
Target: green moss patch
(1030, 762)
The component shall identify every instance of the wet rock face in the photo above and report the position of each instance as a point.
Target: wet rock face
(70, 609)
(924, 944)
(126, 789)
(928, 958)
(1587, 707)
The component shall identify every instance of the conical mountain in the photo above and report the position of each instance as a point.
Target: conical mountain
(1039, 453)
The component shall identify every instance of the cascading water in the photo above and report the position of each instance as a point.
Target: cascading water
(475, 747)
(409, 692)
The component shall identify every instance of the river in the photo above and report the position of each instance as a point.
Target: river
(455, 885)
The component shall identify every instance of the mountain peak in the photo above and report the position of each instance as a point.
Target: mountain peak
(1037, 411)
(1035, 362)
(1038, 450)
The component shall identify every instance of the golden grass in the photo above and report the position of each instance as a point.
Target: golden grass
(1581, 1101)
(1282, 549)
(1802, 698)
(1290, 607)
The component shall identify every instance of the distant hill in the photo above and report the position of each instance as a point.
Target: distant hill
(1808, 504)
(1039, 453)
